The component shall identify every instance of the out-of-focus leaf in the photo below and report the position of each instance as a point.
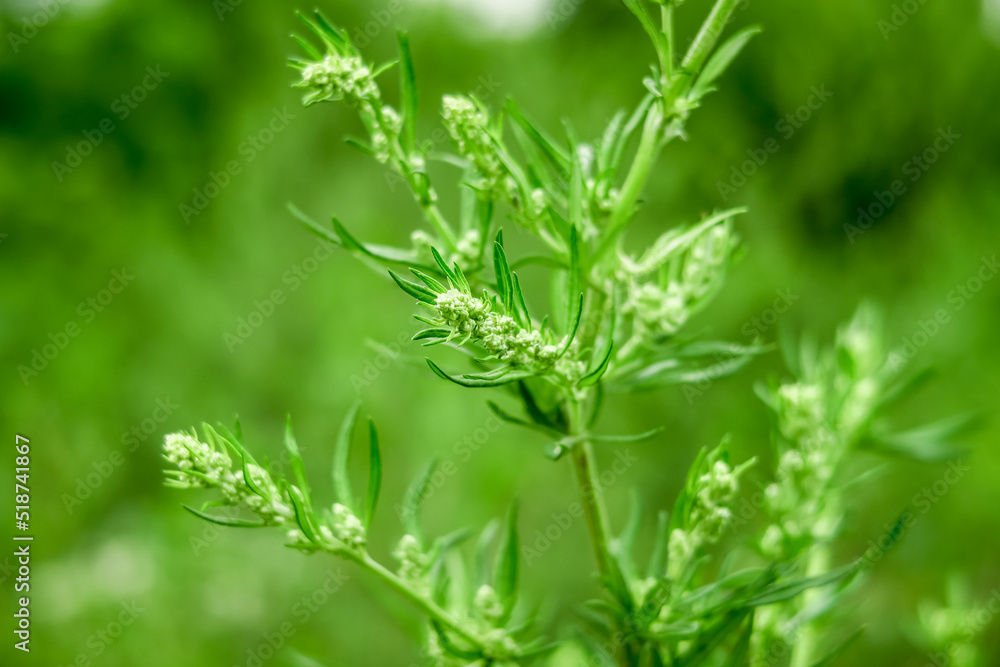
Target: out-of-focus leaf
(413, 500)
(508, 555)
(835, 655)
(721, 59)
(341, 455)
(231, 522)
(374, 474)
(408, 86)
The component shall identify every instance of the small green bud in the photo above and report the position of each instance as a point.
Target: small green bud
(347, 528)
(411, 557)
(487, 604)
(338, 77)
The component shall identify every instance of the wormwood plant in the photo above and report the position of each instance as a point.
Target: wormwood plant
(615, 322)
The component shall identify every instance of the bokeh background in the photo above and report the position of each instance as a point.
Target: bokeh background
(154, 357)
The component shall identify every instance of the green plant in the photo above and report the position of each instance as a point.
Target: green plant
(615, 323)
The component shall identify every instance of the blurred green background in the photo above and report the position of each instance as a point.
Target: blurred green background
(154, 357)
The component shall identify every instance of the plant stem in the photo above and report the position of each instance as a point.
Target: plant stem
(667, 25)
(594, 510)
(638, 174)
(422, 192)
(805, 643)
(593, 503)
(425, 604)
(702, 45)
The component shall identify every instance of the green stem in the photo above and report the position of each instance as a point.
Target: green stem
(593, 503)
(667, 23)
(806, 638)
(424, 603)
(701, 47)
(594, 509)
(638, 174)
(423, 193)
(441, 226)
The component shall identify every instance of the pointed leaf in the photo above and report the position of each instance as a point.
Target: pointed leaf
(556, 156)
(593, 376)
(508, 554)
(505, 285)
(432, 283)
(413, 500)
(295, 457)
(408, 86)
(341, 455)
(418, 292)
(224, 521)
(840, 650)
(374, 473)
(721, 59)
(479, 382)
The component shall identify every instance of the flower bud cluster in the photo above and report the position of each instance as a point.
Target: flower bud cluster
(203, 465)
(487, 604)
(385, 133)
(801, 407)
(468, 125)
(412, 559)
(662, 306)
(954, 627)
(347, 528)
(338, 77)
(709, 515)
(796, 498)
(472, 318)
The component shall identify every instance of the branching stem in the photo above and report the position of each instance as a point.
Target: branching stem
(424, 603)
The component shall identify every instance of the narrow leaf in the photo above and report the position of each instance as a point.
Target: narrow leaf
(478, 382)
(432, 283)
(840, 650)
(295, 456)
(408, 86)
(224, 521)
(374, 473)
(413, 500)
(505, 286)
(341, 455)
(721, 59)
(593, 376)
(418, 292)
(508, 554)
